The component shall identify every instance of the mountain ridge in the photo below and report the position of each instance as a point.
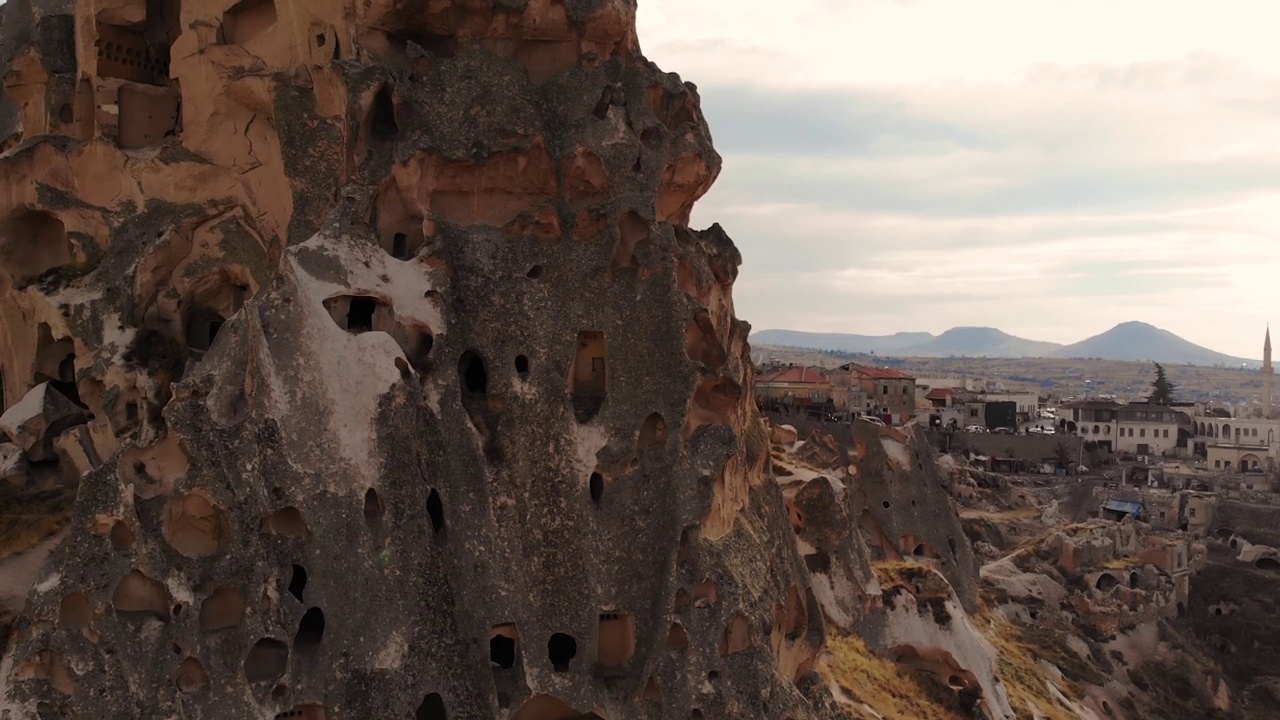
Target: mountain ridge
(1130, 341)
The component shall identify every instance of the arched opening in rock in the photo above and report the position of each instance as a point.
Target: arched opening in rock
(298, 582)
(737, 635)
(382, 115)
(677, 637)
(373, 508)
(596, 487)
(545, 707)
(632, 230)
(1182, 609)
(1105, 582)
(1133, 580)
(139, 596)
(1267, 563)
(32, 242)
(194, 525)
(924, 550)
(522, 366)
(287, 522)
(121, 536)
(310, 631)
(202, 326)
(74, 611)
(435, 511)
(400, 231)
(561, 649)
(588, 375)
(247, 20)
(360, 313)
(266, 661)
(653, 434)
(705, 593)
(222, 610)
(504, 644)
(471, 372)
(534, 273)
(190, 677)
(616, 639)
(432, 708)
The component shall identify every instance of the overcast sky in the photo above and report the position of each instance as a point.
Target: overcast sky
(1050, 168)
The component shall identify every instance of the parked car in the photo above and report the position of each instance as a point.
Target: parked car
(978, 429)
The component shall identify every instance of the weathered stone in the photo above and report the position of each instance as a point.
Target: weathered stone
(41, 416)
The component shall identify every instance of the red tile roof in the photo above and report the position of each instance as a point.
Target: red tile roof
(941, 394)
(794, 374)
(877, 373)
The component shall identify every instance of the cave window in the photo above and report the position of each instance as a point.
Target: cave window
(310, 630)
(561, 649)
(504, 643)
(435, 511)
(596, 486)
(203, 325)
(1105, 582)
(1133, 580)
(522, 366)
(432, 708)
(616, 639)
(400, 246)
(475, 380)
(588, 375)
(653, 433)
(266, 661)
(360, 314)
(383, 125)
(298, 582)
(373, 507)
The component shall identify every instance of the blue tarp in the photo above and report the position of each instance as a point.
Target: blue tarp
(1127, 507)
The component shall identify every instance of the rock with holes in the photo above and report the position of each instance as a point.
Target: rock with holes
(395, 344)
(34, 422)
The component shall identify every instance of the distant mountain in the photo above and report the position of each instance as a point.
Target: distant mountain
(845, 342)
(961, 341)
(1140, 341)
(1135, 341)
(982, 342)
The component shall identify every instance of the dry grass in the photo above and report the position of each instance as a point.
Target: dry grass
(889, 689)
(1019, 669)
(29, 517)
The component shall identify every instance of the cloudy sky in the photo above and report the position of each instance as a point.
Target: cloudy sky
(1050, 168)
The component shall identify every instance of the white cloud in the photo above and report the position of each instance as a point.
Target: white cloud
(1049, 168)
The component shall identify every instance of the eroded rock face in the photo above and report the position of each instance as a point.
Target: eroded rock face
(404, 387)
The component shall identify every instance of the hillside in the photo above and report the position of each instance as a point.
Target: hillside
(1141, 341)
(1130, 341)
(845, 342)
(964, 341)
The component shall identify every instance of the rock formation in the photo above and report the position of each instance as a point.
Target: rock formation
(358, 361)
(402, 385)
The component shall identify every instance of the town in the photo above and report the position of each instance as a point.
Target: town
(1186, 437)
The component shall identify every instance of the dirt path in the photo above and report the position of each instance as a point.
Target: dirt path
(19, 572)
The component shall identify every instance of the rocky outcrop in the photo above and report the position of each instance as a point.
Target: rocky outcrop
(404, 386)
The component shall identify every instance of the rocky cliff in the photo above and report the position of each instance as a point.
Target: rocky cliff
(358, 361)
(392, 378)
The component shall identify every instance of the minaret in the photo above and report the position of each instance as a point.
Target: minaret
(1268, 376)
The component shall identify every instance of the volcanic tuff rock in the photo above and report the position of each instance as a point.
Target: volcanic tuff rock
(392, 379)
